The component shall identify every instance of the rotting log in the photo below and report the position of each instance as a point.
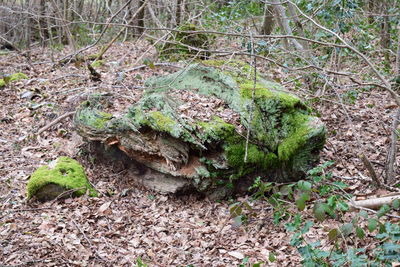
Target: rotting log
(189, 129)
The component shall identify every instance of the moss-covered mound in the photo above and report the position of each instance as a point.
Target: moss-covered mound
(193, 125)
(186, 42)
(63, 174)
(11, 78)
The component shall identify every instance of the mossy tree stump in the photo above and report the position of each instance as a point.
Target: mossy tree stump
(61, 175)
(190, 127)
(187, 42)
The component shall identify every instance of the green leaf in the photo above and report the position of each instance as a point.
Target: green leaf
(396, 203)
(346, 229)
(332, 201)
(301, 201)
(360, 232)
(271, 257)
(237, 221)
(363, 214)
(319, 212)
(372, 224)
(301, 204)
(285, 190)
(343, 206)
(333, 234)
(235, 210)
(341, 184)
(306, 227)
(383, 210)
(258, 264)
(382, 228)
(248, 207)
(245, 260)
(304, 185)
(294, 224)
(148, 62)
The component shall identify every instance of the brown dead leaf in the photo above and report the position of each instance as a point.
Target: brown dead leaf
(104, 208)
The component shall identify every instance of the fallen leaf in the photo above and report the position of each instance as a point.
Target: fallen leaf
(236, 255)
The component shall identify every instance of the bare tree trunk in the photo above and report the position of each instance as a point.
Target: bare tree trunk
(268, 23)
(50, 31)
(279, 12)
(42, 23)
(299, 26)
(178, 12)
(28, 27)
(140, 17)
(64, 27)
(284, 24)
(385, 32)
(370, 8)
(391, 158)
(398, 58)
(153, 16)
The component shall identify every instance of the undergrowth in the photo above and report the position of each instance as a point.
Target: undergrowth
(365, 238)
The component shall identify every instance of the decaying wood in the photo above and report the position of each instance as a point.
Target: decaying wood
(375, 203)
(182, 150)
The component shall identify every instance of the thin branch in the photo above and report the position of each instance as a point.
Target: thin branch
(387, 85)
(57, 120)
(108, 24)
(166, 64)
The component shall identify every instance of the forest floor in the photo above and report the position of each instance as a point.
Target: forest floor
(126, 222)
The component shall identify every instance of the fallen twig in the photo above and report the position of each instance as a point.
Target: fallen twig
(66, 115)
(155, 64)
(377, 202)
(371, 210)
(83, 233)
(33, 209)
(65, 193)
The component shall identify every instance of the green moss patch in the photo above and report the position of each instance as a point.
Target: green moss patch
(64, 172)
(98, 63)
(92, 116)
(12, 78)
(215, 130)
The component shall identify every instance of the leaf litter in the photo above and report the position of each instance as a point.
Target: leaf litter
(127, 223)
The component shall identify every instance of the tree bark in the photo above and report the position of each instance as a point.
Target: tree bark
(392, 151)
(398, 59)
(284, 24)
(299, 26)
(370, 10)
(268, 23)
(44, 31)
(178, 12)
(385, 32)
(140, 18)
